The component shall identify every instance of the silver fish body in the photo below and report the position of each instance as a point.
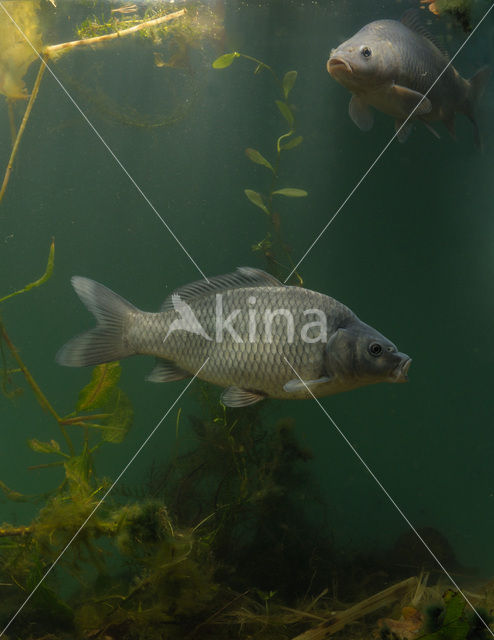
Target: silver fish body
(244, 331)
(391, 65)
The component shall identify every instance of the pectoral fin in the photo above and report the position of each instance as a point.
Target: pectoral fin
(405, 100)
(166, 371)
(360, 113)
(293, 386)
(237, 397)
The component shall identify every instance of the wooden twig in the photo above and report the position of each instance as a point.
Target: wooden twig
(59, 48)
(341, 618)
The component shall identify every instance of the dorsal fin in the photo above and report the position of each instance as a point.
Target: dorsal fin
(242, 277)
(413, 21)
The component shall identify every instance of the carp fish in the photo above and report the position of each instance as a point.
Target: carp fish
(245, 331)
(391, 65)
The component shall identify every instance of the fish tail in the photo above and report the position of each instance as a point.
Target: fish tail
(476, 87)
(104, 343)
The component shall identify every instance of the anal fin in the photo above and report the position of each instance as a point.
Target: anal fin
(237, 397)
(166, 371)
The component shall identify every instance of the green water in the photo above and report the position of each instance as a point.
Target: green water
(411, 253)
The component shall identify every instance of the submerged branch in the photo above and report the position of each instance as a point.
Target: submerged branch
(341, 618)
(64, 46)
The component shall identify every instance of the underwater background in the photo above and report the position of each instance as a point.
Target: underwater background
(411, 253)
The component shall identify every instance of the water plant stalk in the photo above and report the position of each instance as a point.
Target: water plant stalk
(25, 119)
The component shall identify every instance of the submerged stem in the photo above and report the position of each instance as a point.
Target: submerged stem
(40, 396)
(27, 113)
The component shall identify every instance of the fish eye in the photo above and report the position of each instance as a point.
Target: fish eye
(366, 52)
(375, 349)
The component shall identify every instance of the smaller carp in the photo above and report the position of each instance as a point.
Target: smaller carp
(391, 65)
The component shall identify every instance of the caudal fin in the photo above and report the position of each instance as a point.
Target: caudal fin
(104, 343)
(477, 85)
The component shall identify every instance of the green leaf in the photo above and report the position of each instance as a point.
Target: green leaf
(117, 425)
(77, 472)
(95, 394)
(44, 447)
(288, 82)
(256, 199)
(455, 604)
(225, 60)
(291, 144)
(286, 112)
(15, 496)
(102, 394)
(290, 193)
(256, 157)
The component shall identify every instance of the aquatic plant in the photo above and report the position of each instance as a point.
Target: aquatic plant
(452, 619)
(460, 10)
(284, 142)
(19, 55)
(249, 481)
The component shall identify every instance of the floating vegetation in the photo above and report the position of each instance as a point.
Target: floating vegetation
(286, 141)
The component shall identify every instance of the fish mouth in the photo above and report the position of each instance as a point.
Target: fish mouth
(337, 65)
(401, 372)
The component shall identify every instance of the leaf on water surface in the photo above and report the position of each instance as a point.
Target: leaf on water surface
(256, 199)
(291, 144)
(44, 447)
(258, 158)
(288, 82)
(286, 112)
(289, 192)
(225, 60)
